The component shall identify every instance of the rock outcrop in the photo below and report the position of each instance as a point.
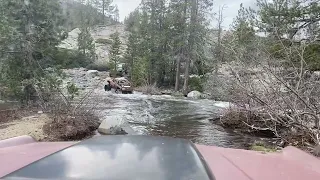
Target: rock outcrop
(102, 37)
(194, 95)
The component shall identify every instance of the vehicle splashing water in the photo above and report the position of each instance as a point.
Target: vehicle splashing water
(164, 115)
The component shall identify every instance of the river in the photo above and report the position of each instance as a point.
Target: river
(169, 116)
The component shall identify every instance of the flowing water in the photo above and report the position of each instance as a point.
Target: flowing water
(170, 116)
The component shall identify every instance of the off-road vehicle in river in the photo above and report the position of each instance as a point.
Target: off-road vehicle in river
(120, 85)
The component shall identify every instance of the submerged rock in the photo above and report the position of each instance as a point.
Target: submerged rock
(109, 127)
(112, 131)
(195, 95)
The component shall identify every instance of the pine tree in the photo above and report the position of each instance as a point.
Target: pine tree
(243, 26)
(132, 21)
(115, 49)
(197, 34)
(86, 44)
(34, 37)
(178, 34)
(105, 7)
(116, 16)
(285, 18)
(132, 52)
(166, 39)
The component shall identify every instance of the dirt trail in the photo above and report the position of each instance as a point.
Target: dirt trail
(31, 125)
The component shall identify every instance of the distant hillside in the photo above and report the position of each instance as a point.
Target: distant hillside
(72, 11)
(101, 35)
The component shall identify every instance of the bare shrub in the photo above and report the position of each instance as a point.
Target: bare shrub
(73, 118)
(280, 95)
(71, 126)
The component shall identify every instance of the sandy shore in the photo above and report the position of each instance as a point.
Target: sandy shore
(31, 125)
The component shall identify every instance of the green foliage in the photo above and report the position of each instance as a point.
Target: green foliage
(73, 90)
(111, 65)
(282, 49)
(86, 45)
(131, 53)
(312, 56)
(66, 58)
(140, 72)
(104, 41)
(162, 32)
(30, 38)
(287, 17)
(243, 26)
(115, 49)
(109, 12)
(76, 13)
(196, 84)
(131, 21)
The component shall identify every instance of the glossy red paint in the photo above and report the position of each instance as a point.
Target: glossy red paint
(16, 141)
(226, 164)
(14, 157)
(289, 164)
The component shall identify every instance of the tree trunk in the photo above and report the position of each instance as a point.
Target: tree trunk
(219, 59)
(186, 77)
(115, 64)
(176, 87)
(103, 10)
(178, 62)
(131, 67)
(193, 21)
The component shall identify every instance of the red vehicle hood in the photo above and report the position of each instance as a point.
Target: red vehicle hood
(289, 164)
(226, 164)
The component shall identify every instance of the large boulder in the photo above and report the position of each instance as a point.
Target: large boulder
(195, 95)
(112, 127)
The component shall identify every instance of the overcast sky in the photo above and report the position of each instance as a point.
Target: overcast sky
(230, 12)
